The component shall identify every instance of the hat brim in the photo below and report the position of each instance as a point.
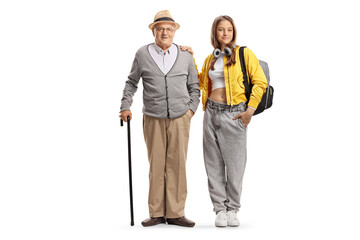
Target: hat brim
(151, 26)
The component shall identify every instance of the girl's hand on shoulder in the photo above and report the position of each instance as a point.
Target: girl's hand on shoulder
(187, 48)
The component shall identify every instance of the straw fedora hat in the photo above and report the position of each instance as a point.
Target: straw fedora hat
(163, 17)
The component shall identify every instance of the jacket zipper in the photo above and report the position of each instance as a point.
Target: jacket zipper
(229, 85)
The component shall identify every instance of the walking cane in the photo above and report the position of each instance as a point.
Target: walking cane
(130, 176)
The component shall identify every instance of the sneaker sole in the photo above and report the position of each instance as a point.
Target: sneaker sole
(220, 225)
(234, 225)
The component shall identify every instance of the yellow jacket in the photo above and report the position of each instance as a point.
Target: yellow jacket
(235, 90)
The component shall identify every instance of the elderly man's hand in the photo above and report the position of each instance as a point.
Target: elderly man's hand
(191, 112)
(123, 115)
(187, 48)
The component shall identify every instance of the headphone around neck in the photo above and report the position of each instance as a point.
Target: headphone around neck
(227, 51)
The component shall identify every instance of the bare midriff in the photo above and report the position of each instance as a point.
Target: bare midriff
(218, 95)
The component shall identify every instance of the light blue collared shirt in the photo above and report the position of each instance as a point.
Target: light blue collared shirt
(164, 61)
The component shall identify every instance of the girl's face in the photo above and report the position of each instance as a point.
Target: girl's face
(224, 33)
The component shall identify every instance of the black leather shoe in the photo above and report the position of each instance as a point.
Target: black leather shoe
(183, 221)
(153, 221)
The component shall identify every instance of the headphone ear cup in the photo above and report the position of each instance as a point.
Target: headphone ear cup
(216, 52)
(227, 51)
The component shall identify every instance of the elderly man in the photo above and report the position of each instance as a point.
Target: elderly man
(170, 98)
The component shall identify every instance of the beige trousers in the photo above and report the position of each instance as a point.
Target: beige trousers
(167, 143)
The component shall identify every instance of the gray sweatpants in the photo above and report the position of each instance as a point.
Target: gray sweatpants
(224, 144)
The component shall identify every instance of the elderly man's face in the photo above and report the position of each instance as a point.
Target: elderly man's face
(164, 34)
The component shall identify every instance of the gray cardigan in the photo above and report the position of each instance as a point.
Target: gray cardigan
(164, 96)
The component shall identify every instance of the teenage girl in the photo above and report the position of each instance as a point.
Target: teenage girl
(227, 115)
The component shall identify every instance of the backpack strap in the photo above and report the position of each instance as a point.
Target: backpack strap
(246, 81)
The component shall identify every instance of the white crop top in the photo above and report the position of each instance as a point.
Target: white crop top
(217, 76)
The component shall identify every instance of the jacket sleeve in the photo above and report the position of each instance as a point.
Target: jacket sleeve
(131, 85)
(257, 77)
(202, 75)
(193, 85)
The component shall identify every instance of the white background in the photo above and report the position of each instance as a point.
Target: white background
(64, 171)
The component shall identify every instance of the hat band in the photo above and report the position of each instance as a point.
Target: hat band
(164, 19)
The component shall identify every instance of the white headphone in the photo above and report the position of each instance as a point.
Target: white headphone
(227, 51)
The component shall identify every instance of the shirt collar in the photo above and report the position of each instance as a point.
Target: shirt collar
(160, 51)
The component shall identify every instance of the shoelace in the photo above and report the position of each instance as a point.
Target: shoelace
(233, 215)
(223, 216)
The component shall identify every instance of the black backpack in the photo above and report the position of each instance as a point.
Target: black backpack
(267, 98)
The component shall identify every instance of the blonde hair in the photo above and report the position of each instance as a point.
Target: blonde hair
(216, 44)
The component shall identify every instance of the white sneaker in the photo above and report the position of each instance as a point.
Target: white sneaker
(221, 219)
(232, 219)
